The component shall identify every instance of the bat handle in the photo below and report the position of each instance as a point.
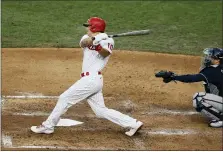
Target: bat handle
(113, 36)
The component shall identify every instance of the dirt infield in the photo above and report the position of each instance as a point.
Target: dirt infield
(170, 122)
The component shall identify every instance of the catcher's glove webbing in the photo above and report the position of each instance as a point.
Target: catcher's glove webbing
(166, 75)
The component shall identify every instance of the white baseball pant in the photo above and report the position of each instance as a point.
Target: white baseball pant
(90, 88)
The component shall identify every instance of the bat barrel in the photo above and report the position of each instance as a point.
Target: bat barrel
(132, 33)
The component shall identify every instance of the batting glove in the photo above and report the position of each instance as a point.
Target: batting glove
(99, 37)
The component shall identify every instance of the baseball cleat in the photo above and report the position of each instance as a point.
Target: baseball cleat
(41, 130)
(216, 124)
(132, 131)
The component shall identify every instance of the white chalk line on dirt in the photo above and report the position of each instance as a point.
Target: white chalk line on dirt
(170, 132)
(31, 114)
(7, 141)
(30, 97)
(63, 148)
(151, 131)
(29, 93)
(172, 112)
(38, 113)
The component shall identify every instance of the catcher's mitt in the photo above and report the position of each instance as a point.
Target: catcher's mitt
(166, 75)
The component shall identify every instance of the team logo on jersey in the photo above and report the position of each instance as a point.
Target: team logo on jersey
(221, 70)
(95, 47)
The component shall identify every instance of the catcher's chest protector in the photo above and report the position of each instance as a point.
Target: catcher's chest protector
(214, 80)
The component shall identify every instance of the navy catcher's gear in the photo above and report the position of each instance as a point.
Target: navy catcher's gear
(212, 76)
(212, 53)
(166, 75)
(210, 102)
(214, 79)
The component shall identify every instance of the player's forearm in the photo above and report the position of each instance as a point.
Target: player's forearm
(86, 42)
(103, 52)
(189, 78)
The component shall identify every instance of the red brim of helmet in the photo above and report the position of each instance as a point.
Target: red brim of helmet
(86, 24)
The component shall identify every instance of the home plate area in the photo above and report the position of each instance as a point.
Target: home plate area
(33, 78)
(80, 129)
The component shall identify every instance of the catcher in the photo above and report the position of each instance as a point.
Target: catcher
(210, 102)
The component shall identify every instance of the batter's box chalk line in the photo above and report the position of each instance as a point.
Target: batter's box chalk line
(29, 93)
(170, 132)
(63, 148)
(6, 141)
(39, 113)
(30, 97)
(170, 112)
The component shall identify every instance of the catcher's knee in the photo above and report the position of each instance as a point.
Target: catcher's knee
(198, 100)
(206, 109)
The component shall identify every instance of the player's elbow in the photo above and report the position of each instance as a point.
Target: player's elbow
(83, 44)
(80, 44)
(104, 53)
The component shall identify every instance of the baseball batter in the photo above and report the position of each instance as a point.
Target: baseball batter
(97, 48)
(210, 102)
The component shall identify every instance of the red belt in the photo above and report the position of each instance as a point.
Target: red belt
(87, 74)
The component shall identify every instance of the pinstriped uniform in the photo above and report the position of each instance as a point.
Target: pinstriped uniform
(90, 87)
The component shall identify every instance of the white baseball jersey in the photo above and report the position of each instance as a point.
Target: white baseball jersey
(92, 60)
(90, 88)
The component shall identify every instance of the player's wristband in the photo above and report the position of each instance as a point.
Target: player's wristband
(98, 48)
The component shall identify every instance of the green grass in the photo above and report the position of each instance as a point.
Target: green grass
(184, 27)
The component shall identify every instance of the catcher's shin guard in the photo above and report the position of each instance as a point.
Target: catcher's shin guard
(209, 105)
(197, 101)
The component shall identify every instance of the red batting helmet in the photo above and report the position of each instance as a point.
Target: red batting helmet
(96, 24)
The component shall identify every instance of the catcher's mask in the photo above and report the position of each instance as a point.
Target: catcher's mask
(211, 54)
(96, 24)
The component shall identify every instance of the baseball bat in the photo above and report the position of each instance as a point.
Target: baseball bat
(132, 33)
